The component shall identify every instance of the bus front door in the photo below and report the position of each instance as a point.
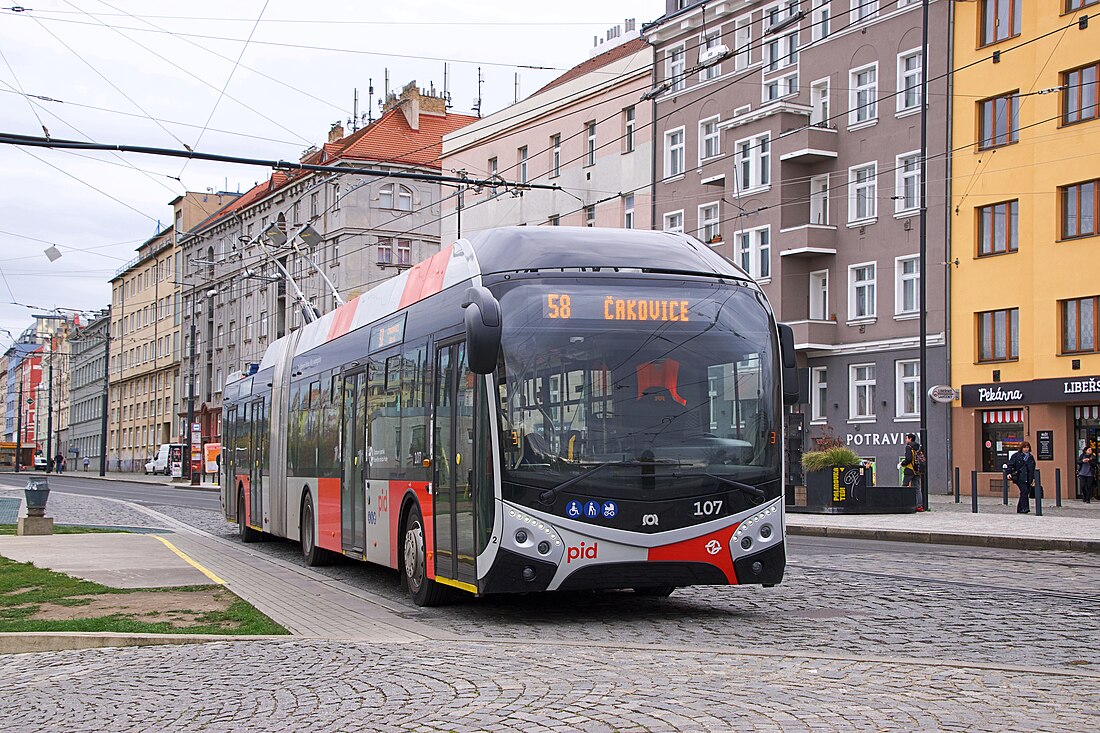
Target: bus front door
(453, 461)
(353, 510)
(258, 427)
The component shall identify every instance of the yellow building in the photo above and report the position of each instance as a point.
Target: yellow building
(1025, 238)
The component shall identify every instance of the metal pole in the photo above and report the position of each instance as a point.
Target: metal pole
(19, 422)
(924, 250)
(1057, 487)
(49, 411)
(190, 397)
(106, 397)
(1004, 473)
(958, 489)
(1038, 493)
(974, 492)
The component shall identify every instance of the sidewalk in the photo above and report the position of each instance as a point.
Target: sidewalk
(1074, 526)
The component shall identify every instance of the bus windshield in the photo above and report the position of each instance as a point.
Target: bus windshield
(638, 389)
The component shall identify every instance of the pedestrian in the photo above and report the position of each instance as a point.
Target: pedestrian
(86, 462)
(59, 463)
(1086, 473)
(1021, 468)
(912, 471)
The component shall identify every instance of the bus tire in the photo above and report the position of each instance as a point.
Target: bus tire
(247, 533)
(313, 555)
(655, 591)
(414, 564)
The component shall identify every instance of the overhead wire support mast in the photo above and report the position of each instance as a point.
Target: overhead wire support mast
(283, 165)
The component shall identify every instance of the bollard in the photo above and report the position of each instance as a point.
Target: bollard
(1057, 487)
(974, 492)
(1038, 491)
(1004, 474)
(958, 496)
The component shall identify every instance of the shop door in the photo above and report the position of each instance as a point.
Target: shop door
(453, 461)
(353, 511)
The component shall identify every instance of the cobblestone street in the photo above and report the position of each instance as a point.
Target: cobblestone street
(860, 636)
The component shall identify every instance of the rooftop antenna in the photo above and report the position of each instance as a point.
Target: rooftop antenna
(477, 99)
(517, 88)
(370, 100)
(446, 89)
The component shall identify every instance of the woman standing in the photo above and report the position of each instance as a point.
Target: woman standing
(1086, 473)
(1021, 467)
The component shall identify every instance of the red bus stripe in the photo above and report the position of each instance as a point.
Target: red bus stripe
(426, 278)
(341, 324)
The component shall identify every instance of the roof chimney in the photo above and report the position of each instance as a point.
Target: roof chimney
(335, 132)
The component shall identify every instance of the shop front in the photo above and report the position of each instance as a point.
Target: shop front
(1059, 417)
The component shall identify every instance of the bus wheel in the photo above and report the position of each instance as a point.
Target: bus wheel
(655, 591)
(424, 591)
(247, 533)
(313, 555)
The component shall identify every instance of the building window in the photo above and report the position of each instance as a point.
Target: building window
(907, 285)
(674, 152)
(590, 147)
(779, 88)
(555, 155)
(861, 292)
(1079, 325)
(711, 40)
(248, 328)
(492, 167)
(709, 140)
(863, 94)
(263, 324)
(1071, 5)
(1079, 94)
(385, 251)
(906, 401)
(590, 215)
(553, 220)
(404, 252)
(861, 392)
(909, 82)
(1079, 204)
(674, 222)
(313, 209)
(819, 295)
(862, 192)
(997, 228)
(629, 121)
(1000, 20)
(754, 252)
(820, 19)
(998, 121)
(907, 183)
(862, 9)
(752, 162)
(819, 393)
(819, 200)
(675, 68)
(819, 98)
(742, 43)
(999, 335)
(709, 227)
(521, 156)
(395, 196)
(628, 211)
(781, 52)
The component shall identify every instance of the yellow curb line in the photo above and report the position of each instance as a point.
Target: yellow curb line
(191, 562)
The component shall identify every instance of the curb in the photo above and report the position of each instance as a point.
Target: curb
(51, 641)
(946, 538)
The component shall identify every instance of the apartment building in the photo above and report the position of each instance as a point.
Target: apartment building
(87, 399)
(788, 137)
(1025, 183)
(145, 339)
(586, 131)
(263, 265)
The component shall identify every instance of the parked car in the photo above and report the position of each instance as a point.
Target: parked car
(40, 463)
(161, 462)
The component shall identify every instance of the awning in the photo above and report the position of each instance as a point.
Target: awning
(1002, 416)
(1088, 412)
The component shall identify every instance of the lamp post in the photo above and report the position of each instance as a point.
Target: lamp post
(19, 423)
(49, 409)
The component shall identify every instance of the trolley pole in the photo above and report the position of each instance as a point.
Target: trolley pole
(106, 397)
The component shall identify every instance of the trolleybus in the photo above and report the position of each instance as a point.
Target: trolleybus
(531, 409)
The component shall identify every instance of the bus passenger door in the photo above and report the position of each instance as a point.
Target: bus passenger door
(258, 427)
(453, 461)
(353, 513)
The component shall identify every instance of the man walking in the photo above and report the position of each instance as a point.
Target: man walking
(912, 473)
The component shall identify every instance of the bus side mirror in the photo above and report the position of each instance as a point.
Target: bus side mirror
(789, 364)
(483, 327)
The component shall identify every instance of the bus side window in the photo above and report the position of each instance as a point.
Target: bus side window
(414, 411)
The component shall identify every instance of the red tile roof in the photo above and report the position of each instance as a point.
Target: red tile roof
(619, 52)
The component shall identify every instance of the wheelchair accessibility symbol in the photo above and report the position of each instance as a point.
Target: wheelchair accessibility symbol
(573, 509)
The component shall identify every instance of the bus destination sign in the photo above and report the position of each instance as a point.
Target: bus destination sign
(564, 306)
(388, 333)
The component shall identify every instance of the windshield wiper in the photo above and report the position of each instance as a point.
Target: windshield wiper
(547, 497)
(747, 488)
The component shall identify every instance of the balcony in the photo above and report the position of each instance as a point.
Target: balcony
(807, 240)
(813, 334)
(807, 145)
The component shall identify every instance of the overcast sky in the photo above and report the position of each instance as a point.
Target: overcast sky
(153, 73)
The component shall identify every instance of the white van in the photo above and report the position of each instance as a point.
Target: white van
(161, 461)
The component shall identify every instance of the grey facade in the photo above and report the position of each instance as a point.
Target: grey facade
(797, 156)
(89, 370)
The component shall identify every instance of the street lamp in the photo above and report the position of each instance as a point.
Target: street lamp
(188, 432)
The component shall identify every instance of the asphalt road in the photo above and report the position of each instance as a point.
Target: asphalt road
(140, 492)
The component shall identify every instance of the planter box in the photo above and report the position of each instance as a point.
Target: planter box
(845, 491)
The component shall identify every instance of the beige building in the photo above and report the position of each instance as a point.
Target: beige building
(145, 349)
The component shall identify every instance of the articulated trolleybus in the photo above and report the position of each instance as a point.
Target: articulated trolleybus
(531, 409)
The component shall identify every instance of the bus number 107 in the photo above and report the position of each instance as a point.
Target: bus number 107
(708, 508)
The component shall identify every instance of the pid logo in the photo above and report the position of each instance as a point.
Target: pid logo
(582, 552)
